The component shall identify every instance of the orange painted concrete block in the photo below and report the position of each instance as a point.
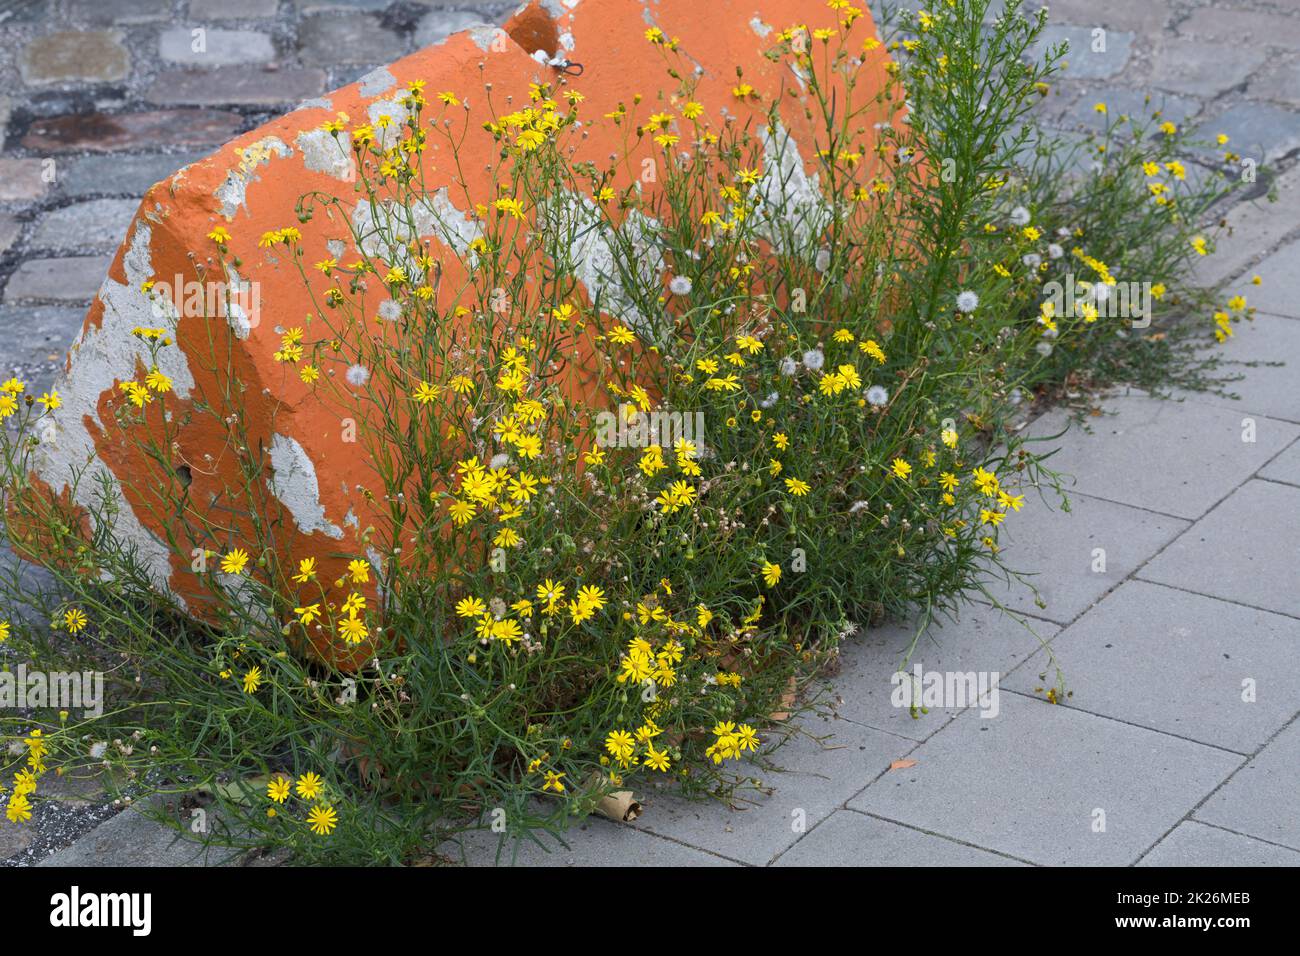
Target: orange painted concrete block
(252, 186)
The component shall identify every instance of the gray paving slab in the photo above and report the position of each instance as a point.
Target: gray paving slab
(1266, 351)
(1195, 844)
(1179, 458)
(1279, 292)
(849, 838)
(1245, 550)
(1036, 782)
(814, 779)
(131, 839)
(1262, 799)
(1285, 467)
(1262, 225)
(1201, 668)
(982, 639)
(595, 842)
(1075, 557)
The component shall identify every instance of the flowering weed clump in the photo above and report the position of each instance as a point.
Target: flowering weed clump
(610, 535)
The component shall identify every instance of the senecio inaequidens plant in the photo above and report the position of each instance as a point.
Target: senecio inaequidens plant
(616, 538)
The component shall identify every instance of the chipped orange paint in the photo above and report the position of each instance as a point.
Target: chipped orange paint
(252, 185)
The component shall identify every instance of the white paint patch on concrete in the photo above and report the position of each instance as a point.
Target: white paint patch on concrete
(293, 482)
(329, 153)
(387, 234)
(388, 136)
(484, 36)
(596, 263)
(98, 360)
(240, 322)
(319, 103)
(793, 210)
(376, 82)
(231, 193)
(759, 27)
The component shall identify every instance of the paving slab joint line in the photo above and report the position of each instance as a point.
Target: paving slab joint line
(1244, 754)
(1216, 597)
(941, 836)
(1188, 816)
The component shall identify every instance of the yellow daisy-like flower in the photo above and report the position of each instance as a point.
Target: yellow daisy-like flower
(308, 785)
(322, 819)
(19, 808)
(474, 607)
(797, 487)
(235, 561)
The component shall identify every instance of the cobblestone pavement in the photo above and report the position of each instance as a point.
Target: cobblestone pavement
(1157, 758)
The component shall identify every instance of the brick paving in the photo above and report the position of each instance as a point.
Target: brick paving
(1180, 744)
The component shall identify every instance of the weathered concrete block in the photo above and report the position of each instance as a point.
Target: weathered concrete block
(251, 187)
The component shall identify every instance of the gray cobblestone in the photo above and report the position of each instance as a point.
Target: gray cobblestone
(218, 47)
(116, 175)
(97, 224)
(235, 85)
(1203, 69)
(37, 11)
(1279, 82)
(122, 12)
(1259, 131)
(1121, 101)
(1083, 62)
(39, 352)
(348, 38)
(1242, 27)
(71, 279)
(9, 230)
(317, 6)
(1146, 16)
(232, 9)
